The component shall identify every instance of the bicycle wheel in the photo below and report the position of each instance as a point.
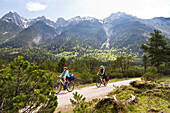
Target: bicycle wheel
(98, 82)
(57, 87)
(70, 86)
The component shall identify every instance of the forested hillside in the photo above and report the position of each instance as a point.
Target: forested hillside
(119, 34)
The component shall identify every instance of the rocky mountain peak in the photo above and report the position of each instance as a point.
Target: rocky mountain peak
(15, 18)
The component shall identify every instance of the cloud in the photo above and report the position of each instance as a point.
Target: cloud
(35, 6)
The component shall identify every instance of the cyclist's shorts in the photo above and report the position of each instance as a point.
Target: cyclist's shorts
(104, 76)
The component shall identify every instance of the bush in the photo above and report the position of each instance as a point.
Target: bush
(152, 69)
(134, 72)
(164, 70)
(150, 76)
(115, 75)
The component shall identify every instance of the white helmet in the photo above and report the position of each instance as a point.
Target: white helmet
(102, 66)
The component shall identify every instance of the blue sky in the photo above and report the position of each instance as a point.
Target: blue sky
(94, 8)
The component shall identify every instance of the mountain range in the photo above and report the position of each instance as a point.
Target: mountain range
(118, 31)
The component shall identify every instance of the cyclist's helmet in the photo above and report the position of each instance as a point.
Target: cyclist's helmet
(102, 66)
(65, 67)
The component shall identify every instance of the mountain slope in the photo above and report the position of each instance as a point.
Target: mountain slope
(126, 31)
(8, 30)
(87, 34)
(32, 36)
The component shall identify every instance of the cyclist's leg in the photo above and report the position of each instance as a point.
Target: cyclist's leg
(65, 83)
(104, 78)
(64, 78)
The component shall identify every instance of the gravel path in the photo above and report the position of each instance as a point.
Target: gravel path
(90, 92)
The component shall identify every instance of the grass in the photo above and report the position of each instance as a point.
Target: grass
(163, 79)
(110, 81)
(144, 103)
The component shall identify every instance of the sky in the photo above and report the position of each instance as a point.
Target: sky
(100, 9)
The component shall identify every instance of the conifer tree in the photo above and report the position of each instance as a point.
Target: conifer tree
(156, 48)
(61, 64)
(145, 61)
(24, 87)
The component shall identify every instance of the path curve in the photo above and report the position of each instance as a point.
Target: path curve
(89, 92)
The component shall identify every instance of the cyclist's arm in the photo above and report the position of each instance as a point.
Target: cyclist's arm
(61, 74)
(98, 72)
(103, 72)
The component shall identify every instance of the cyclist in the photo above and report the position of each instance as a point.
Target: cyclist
(102, 71)
(66, 75)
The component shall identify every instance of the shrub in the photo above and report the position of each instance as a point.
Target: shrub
(152, 69)
(164, 70)
(150, 76)
(115, 75)
(134, 72)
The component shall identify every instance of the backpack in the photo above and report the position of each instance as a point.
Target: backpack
(107, 79)
(71, 76)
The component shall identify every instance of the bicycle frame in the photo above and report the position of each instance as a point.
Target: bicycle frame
(60, 81)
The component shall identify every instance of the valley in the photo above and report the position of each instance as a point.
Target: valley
(79, 36)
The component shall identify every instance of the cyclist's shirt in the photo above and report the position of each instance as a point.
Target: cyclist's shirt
(65, 73)
(102, 71)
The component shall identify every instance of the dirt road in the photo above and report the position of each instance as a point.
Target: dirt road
(90, 92)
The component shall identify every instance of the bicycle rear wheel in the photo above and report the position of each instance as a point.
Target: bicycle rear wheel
(57, 87)
(70, 86)
(98, 82)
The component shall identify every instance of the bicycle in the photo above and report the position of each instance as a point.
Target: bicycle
(99, 81)
(59, 84)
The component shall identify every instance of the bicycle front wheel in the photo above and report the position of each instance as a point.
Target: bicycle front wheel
(98, 82)
(70, 86)
(57, 87)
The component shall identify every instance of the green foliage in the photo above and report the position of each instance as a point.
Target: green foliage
(156, 48)
(61, 64)
(134, 72)
(148, 98)
(145, 61)
(149, 76)
(152, 69)
(79, 103)
(165, 70)
(25, 87)
(87, 67)
(78, 99)
(123, 63)
(48, 65)
(3, 63)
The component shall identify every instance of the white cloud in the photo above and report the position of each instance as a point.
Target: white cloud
(140, 8)
(35, 6)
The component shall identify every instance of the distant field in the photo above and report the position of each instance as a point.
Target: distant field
(36, 53)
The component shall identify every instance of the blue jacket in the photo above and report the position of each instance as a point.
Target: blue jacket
(65, 73)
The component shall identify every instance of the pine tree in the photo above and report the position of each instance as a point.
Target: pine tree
(156, 48)
(79, 102)
(62, 63)
(145, 61)
(24, 87)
